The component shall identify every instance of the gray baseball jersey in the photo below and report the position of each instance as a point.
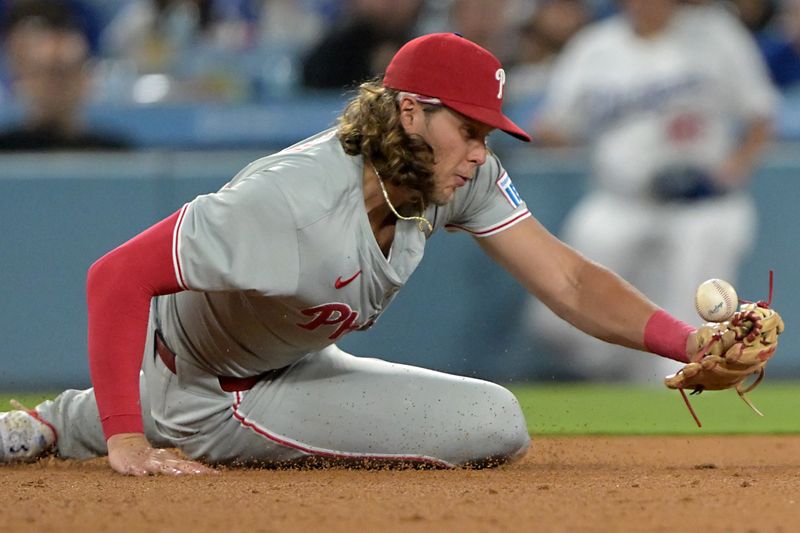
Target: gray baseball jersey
(280, 263)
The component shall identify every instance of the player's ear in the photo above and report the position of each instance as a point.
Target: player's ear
(408, 107)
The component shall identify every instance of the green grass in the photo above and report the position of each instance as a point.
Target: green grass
(28, 399)
(579, 409)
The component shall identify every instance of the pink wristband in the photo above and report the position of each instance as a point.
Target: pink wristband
(666, 336)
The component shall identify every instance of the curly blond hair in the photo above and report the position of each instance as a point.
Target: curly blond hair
(370, 126)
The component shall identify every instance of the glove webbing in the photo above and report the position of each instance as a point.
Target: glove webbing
(741, 392)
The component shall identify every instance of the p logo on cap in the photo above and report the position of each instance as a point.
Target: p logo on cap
(463, 75)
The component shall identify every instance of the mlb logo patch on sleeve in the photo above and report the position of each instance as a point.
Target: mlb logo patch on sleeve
(508, 190)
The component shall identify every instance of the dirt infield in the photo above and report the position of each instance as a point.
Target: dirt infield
(745, 483)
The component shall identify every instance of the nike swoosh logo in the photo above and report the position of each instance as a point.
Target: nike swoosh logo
(339, 283)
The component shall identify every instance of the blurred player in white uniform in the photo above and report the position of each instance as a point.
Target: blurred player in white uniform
(676, 106)
(232, 306)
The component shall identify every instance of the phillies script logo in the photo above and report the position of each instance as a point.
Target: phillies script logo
(333, 314)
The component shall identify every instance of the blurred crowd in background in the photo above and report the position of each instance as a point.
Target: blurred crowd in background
(243, 51)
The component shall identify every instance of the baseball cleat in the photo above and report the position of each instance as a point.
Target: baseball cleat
(24, 436)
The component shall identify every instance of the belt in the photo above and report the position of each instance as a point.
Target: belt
(228, 384)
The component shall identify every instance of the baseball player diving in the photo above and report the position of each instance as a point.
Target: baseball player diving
(232, 306)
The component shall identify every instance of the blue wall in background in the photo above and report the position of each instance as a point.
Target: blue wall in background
(459, 312)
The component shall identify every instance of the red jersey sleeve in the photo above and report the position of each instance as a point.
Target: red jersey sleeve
(119, 288)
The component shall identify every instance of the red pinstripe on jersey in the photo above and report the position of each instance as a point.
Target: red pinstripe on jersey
(176, 258)
(323, 452)
(497, 228)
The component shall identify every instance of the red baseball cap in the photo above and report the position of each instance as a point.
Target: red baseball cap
(464, 76)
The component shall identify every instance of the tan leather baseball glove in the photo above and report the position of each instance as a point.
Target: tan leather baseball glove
(727, 353)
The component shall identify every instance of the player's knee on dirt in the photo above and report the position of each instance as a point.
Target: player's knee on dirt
(498, 431)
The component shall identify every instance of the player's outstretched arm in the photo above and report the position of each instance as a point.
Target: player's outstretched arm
(580, 291)
(131, 454)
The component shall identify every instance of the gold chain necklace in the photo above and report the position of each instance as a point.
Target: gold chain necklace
(422, 222)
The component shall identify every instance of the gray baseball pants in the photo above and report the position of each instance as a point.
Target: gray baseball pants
(329, 404)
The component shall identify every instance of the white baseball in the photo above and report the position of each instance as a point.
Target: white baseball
(716, 300)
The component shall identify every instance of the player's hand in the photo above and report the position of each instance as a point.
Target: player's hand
(131, 454)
